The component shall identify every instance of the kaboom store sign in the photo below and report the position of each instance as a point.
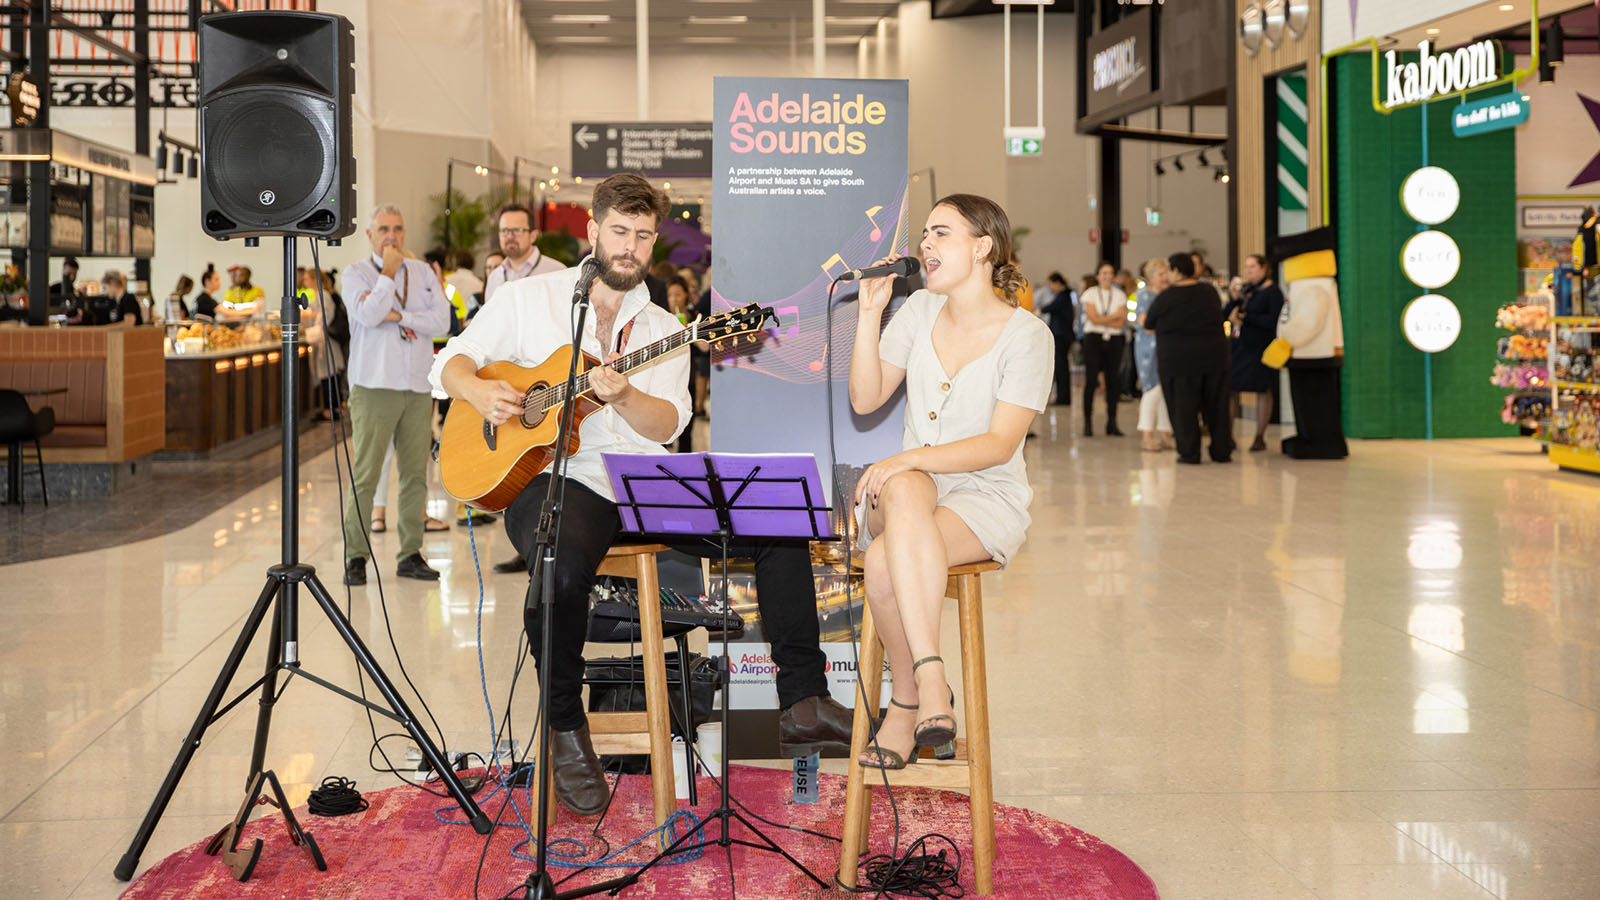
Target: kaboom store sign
(810, 180)
(1437, 74)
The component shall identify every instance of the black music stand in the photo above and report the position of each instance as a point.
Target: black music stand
(720, 497)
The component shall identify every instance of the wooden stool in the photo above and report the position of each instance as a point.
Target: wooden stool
(970, 769)
(648, 731)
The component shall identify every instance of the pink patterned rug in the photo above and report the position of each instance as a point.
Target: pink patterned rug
(399, 849)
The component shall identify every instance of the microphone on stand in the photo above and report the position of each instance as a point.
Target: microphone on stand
(904, 267)
(589, 270)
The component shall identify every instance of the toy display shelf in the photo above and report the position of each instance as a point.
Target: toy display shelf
(1569, 457)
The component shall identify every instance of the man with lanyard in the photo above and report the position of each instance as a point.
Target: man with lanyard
(396, 308)
(643, 411)
(522, 259)
(515, 224)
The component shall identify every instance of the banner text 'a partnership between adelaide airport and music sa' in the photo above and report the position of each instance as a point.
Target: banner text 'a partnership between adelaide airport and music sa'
(803, 125)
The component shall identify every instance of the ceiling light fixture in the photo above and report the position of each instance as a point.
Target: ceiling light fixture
(718, 20)
(1507, 7)
(580, 18)
(1554, 39)
(1177, 163)
(1433, 31)
(1204, 163)
(1159, 169)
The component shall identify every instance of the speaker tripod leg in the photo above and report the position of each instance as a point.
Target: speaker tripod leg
(269, 694)
(447, 776)
(130, 860)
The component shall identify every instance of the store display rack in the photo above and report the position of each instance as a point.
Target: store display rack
(1573, 434)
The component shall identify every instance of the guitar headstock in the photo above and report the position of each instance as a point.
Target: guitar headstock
(748, 319)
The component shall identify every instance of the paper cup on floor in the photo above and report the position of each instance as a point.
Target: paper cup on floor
(709, 747)
(680, 771)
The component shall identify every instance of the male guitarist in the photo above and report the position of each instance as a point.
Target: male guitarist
(528, 321)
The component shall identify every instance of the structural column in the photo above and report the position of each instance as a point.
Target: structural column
(39, 170)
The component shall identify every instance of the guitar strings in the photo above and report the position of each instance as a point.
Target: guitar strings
(549, 398)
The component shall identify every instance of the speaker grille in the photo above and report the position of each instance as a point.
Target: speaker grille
(270, 155)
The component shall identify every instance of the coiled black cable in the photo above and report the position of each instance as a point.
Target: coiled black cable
(916, 873)
(336, 797)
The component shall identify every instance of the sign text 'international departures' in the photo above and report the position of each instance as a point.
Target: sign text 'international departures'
(1436, 75)
(672, 149)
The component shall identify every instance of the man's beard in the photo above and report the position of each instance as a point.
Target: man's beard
(615, 278)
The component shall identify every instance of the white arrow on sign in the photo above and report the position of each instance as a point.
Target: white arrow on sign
(585, 136)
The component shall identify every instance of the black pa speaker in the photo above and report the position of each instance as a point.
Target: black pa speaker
(275, 148)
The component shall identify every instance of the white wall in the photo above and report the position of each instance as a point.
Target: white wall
(597, 84)
(1193, 204)
(1347, 22)
(957, 122)
(1558, 140)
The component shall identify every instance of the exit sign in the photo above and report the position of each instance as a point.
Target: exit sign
(1024, 146)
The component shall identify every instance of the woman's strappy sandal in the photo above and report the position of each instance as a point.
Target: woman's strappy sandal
(879, 757)
(933, 731)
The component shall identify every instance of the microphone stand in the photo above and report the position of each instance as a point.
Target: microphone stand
(538, 884)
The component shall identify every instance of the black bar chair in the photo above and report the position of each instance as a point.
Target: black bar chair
(19, 423)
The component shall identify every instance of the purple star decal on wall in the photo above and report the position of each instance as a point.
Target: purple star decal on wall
(1591, 172)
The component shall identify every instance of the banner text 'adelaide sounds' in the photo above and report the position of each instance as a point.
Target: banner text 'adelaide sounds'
(747, 117)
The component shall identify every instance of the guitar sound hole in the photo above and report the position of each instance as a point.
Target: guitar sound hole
(533, 406)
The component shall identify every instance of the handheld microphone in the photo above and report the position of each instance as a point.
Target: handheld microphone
(905, 266)
(589, 270)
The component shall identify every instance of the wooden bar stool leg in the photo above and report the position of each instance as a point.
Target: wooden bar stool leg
(655, 689)
(974, 682)
(858, 793)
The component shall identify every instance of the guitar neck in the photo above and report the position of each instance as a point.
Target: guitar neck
(628, 362)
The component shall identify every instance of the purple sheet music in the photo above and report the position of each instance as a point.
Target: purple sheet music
(783, 499)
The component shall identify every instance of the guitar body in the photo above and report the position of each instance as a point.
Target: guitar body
(488, 466)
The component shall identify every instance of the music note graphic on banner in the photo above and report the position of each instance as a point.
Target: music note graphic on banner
(877, 230)
(827, 267)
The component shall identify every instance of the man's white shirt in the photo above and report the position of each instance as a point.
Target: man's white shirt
(533, 317)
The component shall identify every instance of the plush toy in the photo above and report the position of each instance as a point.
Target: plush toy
(1312, 330)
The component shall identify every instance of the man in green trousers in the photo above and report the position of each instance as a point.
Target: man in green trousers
(397, 307)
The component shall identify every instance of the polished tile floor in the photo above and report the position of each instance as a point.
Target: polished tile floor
(1377, 678)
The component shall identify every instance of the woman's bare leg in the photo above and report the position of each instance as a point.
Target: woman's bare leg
(916, 544)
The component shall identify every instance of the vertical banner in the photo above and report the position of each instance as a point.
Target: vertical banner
(810, 180)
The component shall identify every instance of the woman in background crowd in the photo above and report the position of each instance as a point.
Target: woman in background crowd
(1155, 426)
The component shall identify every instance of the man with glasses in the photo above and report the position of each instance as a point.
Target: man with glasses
(515, 224)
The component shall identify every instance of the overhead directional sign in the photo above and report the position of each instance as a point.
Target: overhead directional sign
(681, 149)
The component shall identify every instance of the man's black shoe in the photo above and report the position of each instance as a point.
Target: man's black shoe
(414, 566)
(814, 725)
(514, 564)
(355, 571)
(579, 781)
(476, 518)
(1113, 431)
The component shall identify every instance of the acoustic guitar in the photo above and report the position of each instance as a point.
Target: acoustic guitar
(488, 466)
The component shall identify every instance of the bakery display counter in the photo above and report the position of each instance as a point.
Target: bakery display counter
(216, 397)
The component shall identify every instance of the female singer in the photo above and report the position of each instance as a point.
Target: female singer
(977, 369)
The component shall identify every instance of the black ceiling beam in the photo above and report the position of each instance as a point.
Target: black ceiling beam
(1191, 138)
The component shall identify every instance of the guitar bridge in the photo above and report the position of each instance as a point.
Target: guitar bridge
(489, 435)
